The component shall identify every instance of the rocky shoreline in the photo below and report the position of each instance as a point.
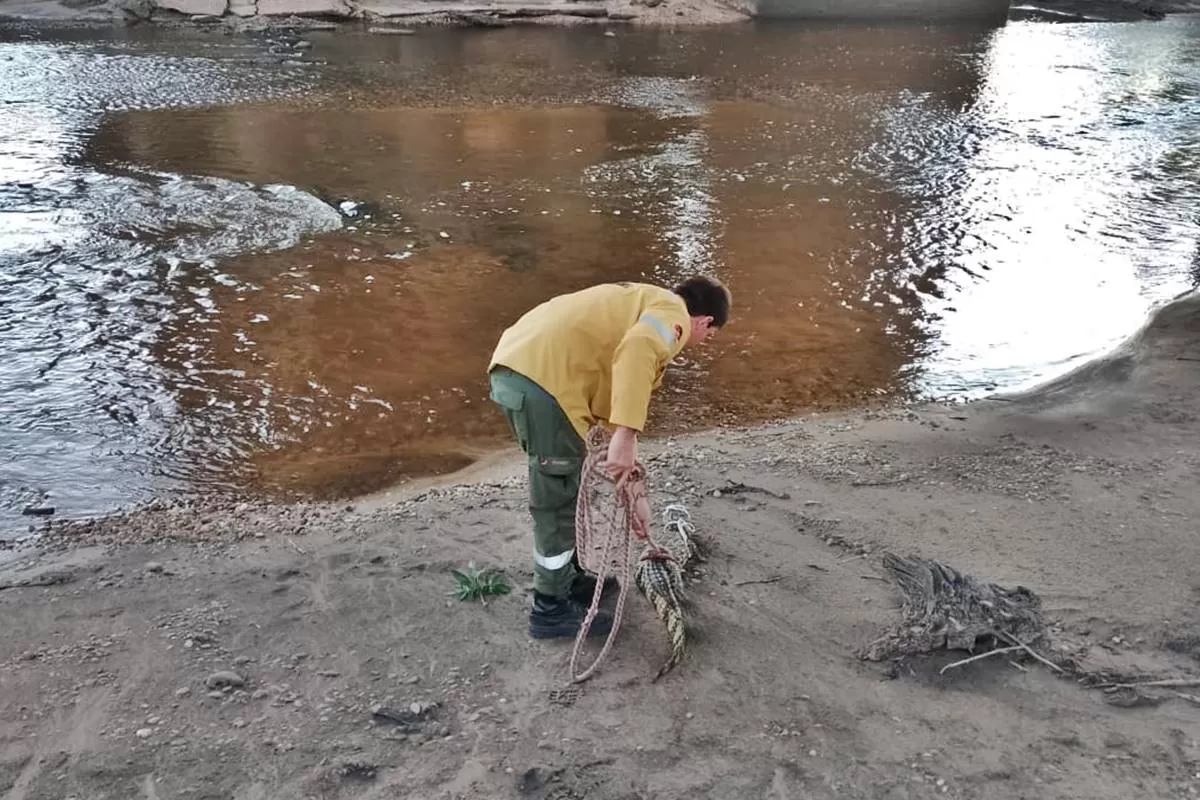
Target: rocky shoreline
(395, 17)
(401, 17)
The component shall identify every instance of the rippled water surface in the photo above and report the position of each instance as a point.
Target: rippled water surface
(232, 262)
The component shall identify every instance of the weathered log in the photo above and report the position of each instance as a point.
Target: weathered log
(945, 609)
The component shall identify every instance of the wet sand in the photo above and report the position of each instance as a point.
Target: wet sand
(1082, 491)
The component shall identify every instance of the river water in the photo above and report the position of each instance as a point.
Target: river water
(234, 262)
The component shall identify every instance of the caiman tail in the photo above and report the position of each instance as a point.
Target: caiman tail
(659, 576)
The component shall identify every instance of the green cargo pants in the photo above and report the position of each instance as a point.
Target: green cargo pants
(555, 454)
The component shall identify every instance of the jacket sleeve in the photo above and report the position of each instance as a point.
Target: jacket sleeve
(638, 362)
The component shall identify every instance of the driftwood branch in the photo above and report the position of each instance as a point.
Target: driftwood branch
(946, 609)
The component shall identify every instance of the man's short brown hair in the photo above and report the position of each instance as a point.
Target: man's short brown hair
(706, 297)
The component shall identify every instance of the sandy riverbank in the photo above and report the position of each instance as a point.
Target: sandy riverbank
(1083, 491)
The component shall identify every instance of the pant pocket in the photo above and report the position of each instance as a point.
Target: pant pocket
(554, 482)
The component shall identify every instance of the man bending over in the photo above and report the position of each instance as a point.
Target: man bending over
(589, 357)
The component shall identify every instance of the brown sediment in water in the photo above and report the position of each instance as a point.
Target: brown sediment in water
(374, 342)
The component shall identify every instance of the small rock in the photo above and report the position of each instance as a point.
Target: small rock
(183, 690)
(241, 661)
(532, 780)
(224, 678)
(1116, 741)
(357, 770)
(1066, 738)
(153, 566)
(144, 733)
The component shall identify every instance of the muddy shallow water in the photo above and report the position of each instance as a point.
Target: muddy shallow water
(236, 262)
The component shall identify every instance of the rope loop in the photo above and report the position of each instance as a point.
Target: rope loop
(606, 541)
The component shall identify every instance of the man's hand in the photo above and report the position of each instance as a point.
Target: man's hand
(622, 453)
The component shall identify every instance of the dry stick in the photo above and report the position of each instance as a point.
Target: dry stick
(1032, 652)
(979, 657)
(298, 548)
(776, 579)
(1168, 683)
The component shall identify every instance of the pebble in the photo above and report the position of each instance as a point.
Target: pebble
(153, 566)
(183, 690)
(144, 733)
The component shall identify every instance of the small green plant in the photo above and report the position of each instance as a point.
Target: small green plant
(479, 584)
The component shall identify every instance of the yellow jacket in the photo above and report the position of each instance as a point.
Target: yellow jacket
(599, 352)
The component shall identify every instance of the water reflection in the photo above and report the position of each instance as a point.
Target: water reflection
(889, 204)
(1056, 225)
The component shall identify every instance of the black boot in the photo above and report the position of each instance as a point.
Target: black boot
(554, 618)
(584, 588)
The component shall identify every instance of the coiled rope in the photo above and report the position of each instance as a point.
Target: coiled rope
(608, 541)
